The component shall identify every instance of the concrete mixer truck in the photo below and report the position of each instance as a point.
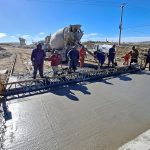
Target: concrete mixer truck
(63, 39)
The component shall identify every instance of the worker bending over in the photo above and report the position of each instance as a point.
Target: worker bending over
(127, 58)
(101, 58)
(55, 61)
(134, 55)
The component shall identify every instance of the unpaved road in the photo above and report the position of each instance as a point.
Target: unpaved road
(23, 55)
(92, 116)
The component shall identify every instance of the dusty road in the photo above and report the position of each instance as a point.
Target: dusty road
(92, 116)
(23, 55)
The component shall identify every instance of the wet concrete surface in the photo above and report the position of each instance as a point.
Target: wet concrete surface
(102, 115)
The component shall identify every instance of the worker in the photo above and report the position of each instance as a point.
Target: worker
(101, 58)
(55, 61)
(147, 59)
(82, 55)
(37, 58)
(111, 56)
(73, 57)
(127, 57)
(134, 55)
(2, 87)
(95, 55)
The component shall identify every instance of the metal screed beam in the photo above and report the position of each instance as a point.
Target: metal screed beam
(35, 86)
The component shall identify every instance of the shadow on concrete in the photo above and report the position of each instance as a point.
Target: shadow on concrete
(68, 91)
(80, 87)
(7, 113)
(65, 90)
(146, 72)
(124, 78)
(101, 80)
(106, 81)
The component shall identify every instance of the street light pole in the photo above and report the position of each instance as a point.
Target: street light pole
(120, 26)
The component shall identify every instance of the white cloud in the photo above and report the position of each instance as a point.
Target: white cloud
(2, 35)
(29, 38)
(25, 36)
(18, 35)
(13, 36)
(129, 39)
(91, 36)
(35, 38)
(41, 33)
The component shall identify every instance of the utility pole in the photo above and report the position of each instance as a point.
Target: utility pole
(120, 26)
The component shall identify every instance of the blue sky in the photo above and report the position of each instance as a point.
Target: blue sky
(34, 19)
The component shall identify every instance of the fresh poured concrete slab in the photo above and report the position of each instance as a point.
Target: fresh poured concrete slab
(93, 116)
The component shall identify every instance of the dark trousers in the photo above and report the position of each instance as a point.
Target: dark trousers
(111, 60)
(133, 60)
(36, 68)
(73, 65)
(147, 61)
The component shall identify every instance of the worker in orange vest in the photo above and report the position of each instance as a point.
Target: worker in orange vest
(82, 55)
(127, 58)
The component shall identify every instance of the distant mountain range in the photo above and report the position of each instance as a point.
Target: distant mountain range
(145, 42)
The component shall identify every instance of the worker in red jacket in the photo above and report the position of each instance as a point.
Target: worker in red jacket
(55, 61)
(82, 55)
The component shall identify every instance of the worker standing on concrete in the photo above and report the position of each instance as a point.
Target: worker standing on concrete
(147, 59)
(101, 58)
(111, 56)
(55, 61)
(134, 55)
(37, 59)
(2, 87)
(82, 55)
(73, 57)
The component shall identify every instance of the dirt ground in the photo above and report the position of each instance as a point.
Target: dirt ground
(23, 63)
